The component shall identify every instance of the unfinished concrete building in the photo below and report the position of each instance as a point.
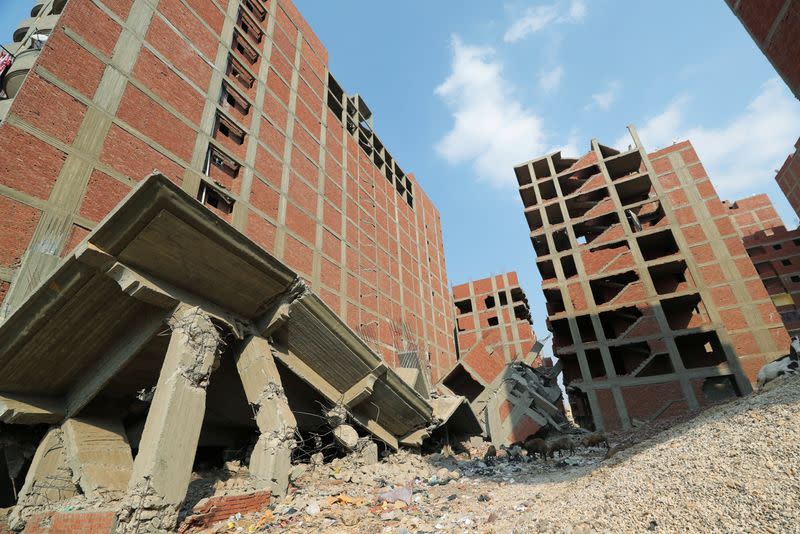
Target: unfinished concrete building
(774, 27)
(775, 252)
(165, 336)
(232, 100)
(654, 306)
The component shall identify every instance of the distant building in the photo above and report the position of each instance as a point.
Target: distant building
(775, 251)
(496, 305)
(788, 178)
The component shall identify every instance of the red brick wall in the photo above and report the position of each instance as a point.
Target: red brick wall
(71, 523)
(215, 509)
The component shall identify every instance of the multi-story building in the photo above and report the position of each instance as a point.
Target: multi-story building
(788, 178)
(495, 306)
(654, 305)
(774, 26)
(233, 100)
(775, 252)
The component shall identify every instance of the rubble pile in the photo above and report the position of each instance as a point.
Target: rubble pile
(734, 467)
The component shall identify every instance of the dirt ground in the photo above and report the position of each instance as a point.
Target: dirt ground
(733, 468)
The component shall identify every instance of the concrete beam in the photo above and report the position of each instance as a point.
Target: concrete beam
(362, 390)
(27, 410)
(99, 456)
(278, 310)
(163, 467)
(115, 359)
(301, 369)
(270, 461)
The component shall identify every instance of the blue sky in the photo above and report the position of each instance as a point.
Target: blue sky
(463, 90)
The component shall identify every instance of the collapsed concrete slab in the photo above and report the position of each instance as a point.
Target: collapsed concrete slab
(511, 400)
(167, 331)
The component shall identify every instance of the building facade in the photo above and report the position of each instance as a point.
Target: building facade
(233, 100)
(654, 305)
(774, 25)
(775, 252)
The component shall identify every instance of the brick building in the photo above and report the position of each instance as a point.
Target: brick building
(775, 252)
(788, 178)
(495, 306)
(775, 26)
(233, 100)
(654, 305)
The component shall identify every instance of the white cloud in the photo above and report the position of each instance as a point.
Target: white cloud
(577, 10)
(492, 129)
(550, 80)
(742, 154)
(536, 18)
(606, 98)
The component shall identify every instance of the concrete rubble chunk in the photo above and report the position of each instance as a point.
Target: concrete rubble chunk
(346, 436)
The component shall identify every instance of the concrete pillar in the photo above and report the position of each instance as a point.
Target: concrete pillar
(270, 462)
(163, 467)
(99, 456)
(48, 481)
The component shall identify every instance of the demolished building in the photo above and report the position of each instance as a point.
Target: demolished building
(166, 333)
(654, 305)
(500, 368)
(235, 102)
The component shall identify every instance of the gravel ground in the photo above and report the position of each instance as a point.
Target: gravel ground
(733, 468)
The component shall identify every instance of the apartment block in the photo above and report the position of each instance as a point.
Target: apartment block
(233, 101)
(495, 306)
(788, 178)
(775, 252)
(654, 305)
(775, 26)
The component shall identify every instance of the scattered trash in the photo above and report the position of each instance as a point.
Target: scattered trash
(483, 498)
(401, 493)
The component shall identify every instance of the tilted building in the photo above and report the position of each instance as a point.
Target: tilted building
(654, 305)
(775, 252)
(232, 100)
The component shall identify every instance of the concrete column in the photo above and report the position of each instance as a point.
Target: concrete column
(99, 456)
(163, 467)
(48, 481)
(271, 459)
